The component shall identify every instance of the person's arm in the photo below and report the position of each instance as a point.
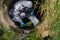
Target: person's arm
(17, 18)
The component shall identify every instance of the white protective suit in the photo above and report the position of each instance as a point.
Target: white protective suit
(18, 7)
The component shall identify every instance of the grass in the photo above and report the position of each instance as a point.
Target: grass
(56, 23)
(8, 34)
(53, 15)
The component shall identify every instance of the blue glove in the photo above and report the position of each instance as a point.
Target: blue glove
(22, 24)
(32, 12)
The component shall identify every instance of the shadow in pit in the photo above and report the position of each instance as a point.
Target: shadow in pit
(37, 14)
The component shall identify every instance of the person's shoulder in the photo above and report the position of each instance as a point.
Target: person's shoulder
(17, 3)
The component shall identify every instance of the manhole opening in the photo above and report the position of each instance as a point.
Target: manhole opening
(38, 15)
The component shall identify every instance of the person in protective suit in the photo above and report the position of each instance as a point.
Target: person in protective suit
(22, 9)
